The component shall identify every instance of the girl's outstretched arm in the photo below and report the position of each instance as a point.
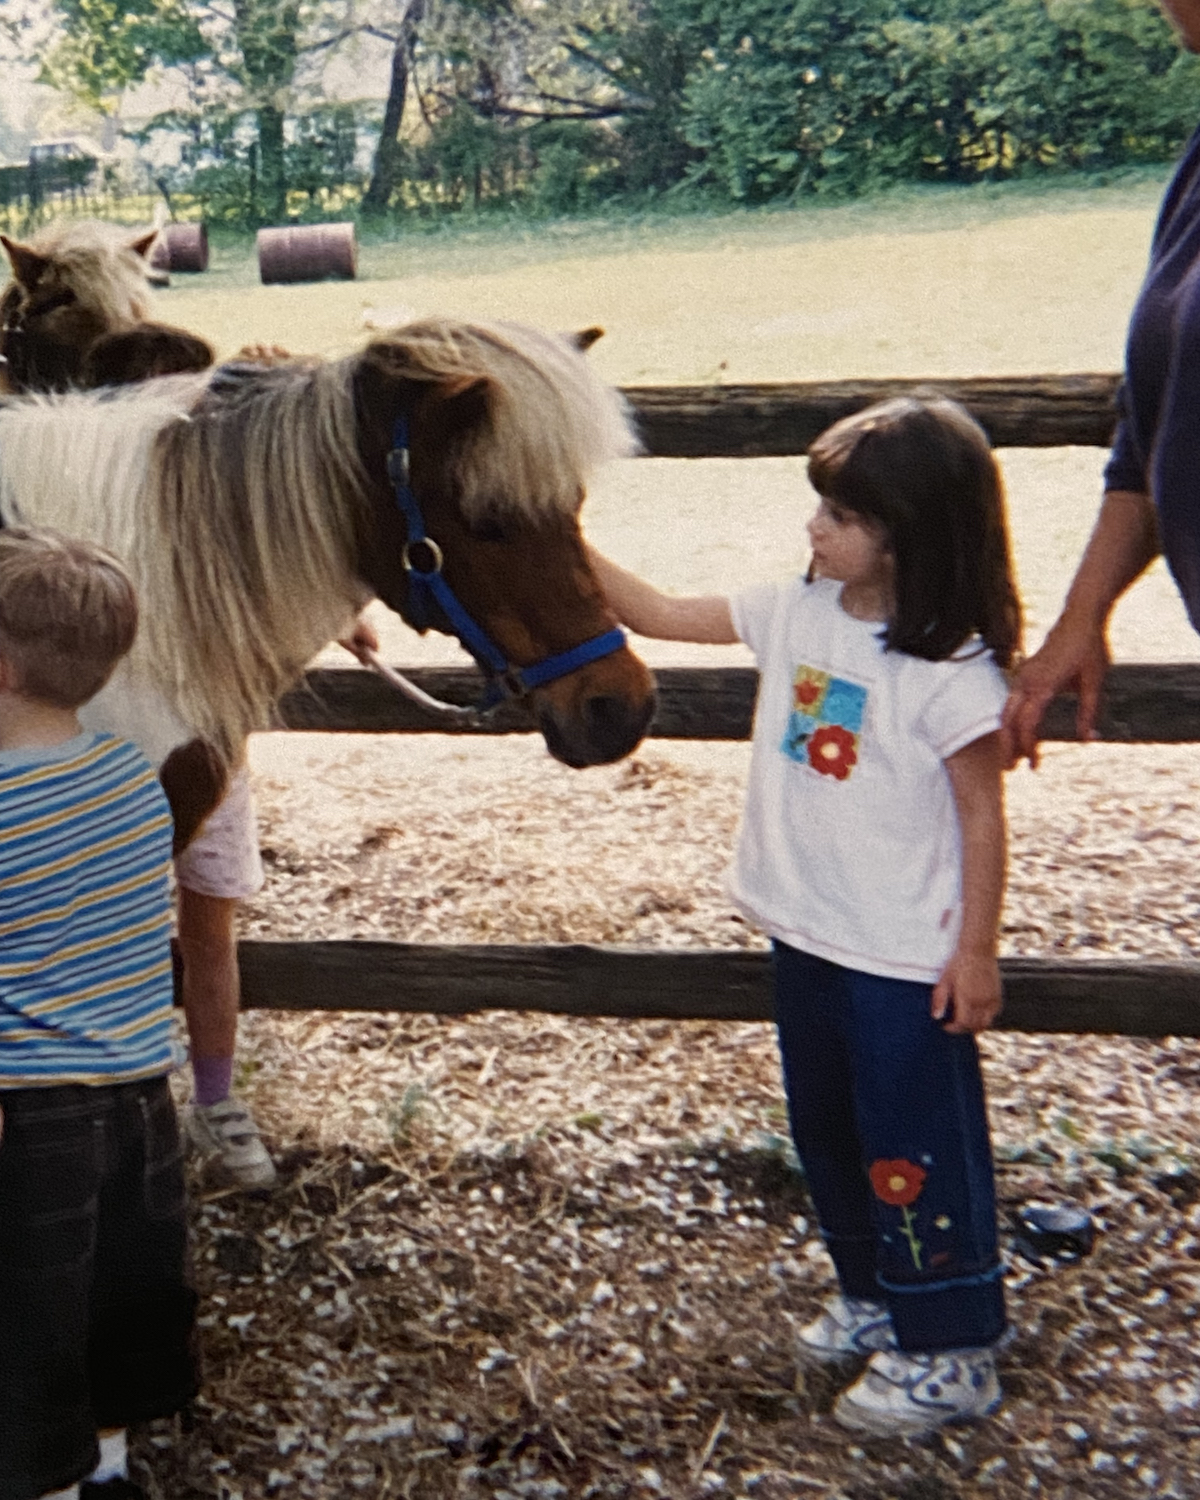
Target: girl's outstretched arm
(968, 993)
(638, 604)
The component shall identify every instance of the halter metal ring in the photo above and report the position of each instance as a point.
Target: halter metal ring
(435, 553)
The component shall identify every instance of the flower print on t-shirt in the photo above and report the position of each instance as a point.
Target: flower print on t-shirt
(824, 727)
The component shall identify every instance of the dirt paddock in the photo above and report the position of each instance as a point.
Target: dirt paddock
(525, 1256)
(518, 1257)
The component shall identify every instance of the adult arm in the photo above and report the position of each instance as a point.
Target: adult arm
(705, 618)
(1075, 653)
(967, 996)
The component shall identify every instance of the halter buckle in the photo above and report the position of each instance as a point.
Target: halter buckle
(397, 466)
(435, 553)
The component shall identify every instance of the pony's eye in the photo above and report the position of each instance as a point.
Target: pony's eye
(489, 530)
(63, 297)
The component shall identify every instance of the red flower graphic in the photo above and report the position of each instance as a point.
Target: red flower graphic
(807, 693)
(831, 751)
(897, 1182)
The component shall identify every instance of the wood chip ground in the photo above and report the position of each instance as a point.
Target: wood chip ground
(528, 1258)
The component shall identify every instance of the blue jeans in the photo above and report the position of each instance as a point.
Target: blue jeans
(889, 1119)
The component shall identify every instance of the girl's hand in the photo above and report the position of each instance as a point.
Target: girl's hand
(263, 354)
(361, 641)
(967, 998)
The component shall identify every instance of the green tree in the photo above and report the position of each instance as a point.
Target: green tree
(264, 62)
(794, 95)
(105, 46)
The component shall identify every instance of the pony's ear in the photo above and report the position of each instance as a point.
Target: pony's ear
(585, 338)
(464, 399)
(28, 267)
(144, 244)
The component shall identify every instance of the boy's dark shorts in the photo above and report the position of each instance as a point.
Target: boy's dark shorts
(96, 1313)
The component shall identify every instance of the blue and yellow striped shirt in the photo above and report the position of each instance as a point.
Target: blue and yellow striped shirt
(85, 915)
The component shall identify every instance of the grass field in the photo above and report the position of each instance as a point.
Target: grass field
(1006, 281)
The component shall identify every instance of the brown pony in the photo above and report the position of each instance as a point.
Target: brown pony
(255, 511)
(76, 312)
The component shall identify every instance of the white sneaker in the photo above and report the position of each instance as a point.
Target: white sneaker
(225, 1134)
(906, 1395)
(847, 1330)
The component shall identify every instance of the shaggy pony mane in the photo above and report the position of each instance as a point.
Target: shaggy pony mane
(235, 520)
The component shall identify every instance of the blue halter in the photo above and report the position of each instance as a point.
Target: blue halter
(428, 586)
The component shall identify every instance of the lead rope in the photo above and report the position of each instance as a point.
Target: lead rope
(459, 711)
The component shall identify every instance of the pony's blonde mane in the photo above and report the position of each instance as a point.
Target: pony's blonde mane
(551, 421)
(99, 264)
(236, 521)
(238, 515)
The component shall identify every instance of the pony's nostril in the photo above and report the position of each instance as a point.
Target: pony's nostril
(600, 730)
(614, 722)
(605, 712)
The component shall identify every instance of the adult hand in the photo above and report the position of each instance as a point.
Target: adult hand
(362, 640)
(1073, 657)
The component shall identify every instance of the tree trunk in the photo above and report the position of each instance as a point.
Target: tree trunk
(266, 33)
(272, 175)
(385, 169)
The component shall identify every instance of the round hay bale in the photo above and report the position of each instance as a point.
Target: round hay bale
(307, 252)
(181, 247)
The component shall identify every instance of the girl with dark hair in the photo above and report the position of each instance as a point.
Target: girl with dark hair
(872, 852)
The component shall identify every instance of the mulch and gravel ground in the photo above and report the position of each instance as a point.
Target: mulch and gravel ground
(526, 1256)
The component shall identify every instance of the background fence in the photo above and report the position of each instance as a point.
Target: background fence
(1143, 703)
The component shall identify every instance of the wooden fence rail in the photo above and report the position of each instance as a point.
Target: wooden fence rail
(760, 421)
(1124, 999)
(1151, 703)
(1142, 704)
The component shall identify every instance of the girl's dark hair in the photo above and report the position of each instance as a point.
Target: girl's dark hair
(923, 469)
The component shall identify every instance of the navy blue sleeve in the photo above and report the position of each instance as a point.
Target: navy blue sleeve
(1175, 462)
(1126, 466)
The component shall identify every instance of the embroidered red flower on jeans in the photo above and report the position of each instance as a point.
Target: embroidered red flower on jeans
(831, 751)
(897, 1182)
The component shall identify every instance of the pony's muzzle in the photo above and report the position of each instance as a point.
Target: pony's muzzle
(602, 720)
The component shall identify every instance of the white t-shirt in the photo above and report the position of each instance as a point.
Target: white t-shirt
(849, 847)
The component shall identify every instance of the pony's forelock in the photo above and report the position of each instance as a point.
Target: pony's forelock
(99, 264)
(551, 421)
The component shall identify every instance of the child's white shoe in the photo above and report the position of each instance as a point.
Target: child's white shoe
(226, 1136)
(906, 1395)
(848, 1329)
